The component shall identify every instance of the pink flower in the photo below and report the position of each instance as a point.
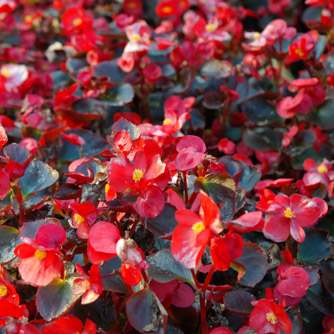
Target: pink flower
(293, 284)
(290, 106)
(287, 215)
(316, 174)
(268, 317)
(278, 30)
(14, 75)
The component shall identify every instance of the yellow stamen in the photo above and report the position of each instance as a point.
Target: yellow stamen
(257, 35)
(136, 37)
(299, 52)
(271, 317)
(167, 10)
(322, 169)
(76, 22)
(78, 218)
(28, 18)
(210, 27)
(5, 72)
(167, 121)
(86, 285)
(198, 227)
(131, 5)
(40, 254)
(3, 291)
(289, 213)
(137, 175)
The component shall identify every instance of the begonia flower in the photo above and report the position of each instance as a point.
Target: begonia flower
(76, 19)
(290, 215)
(69, 325)
(83, 216)
(292, 284)
(191, 152)
(316, 174)
(40, 261)
(13, 75)
(194, 231)
(90, 287)
(267, 317)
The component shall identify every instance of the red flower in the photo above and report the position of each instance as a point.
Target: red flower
(102, 241)
(139, 35)
(303, 45)
(83, 216)
(277, 30)
(316, 174)
(90, 286)
(221, 330)
(290, 106)
(152, 73)
(328, 324)
(130, 274)
(174, 293)
(4, 184)
(8, 292)
(10, 310)
(40, 260)
(76, 19)
(146, 175)
(226, 249)
(226, 146)
(168, 8)
(287, 215)
(293, 284)
(176, 113)
(69, 325)
(268, 317)
(3, 136)
(194, 231)
(191, 152)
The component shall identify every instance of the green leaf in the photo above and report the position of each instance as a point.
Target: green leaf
(93, 146)
(68, 191)
(145, 312)
(239, 302)
(320, 299)
(164, 268)
(9, 239)
(315, 247)
(262, 139)
(324, 116)
(37, 176)
(86, 110)
(120, 95)
(249, 177)
(221, 188)
(113, 283)
(111, 70)
(328, 282)
(123, 124)
(16, 152)
(259, 108)
(164, 224)
(56, 298)
(296, 319)
(255, 263)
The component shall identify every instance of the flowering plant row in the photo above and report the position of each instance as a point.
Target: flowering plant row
(166, 166)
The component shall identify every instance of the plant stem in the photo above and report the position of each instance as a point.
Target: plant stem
(203, 298)
(186, 199)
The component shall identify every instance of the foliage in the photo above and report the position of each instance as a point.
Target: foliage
(166, 166)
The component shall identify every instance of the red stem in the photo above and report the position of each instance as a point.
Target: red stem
(186, 199)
